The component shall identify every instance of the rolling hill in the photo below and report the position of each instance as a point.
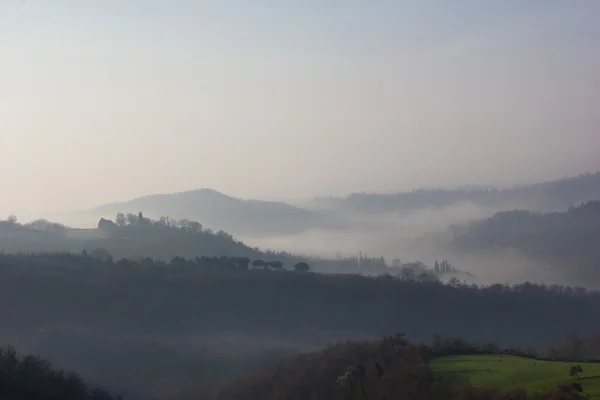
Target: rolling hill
(544, 197)
(269, 218)
(215, 209)
(509, 372)
(567, 239)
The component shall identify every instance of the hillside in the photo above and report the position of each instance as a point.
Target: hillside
(567, 240)
(242, 217)
(143, 327)
(546, 196)
(509, 373)
(28, 377)
(394, 368)
(136, 238)
(196, 321)
(353, 370)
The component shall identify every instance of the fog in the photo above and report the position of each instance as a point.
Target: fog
(423, 236)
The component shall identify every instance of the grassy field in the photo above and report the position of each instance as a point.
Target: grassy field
(507, 372)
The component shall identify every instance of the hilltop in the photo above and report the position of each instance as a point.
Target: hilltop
(216, 209)
(136, 237)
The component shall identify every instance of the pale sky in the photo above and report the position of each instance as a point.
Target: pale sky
(106, 100)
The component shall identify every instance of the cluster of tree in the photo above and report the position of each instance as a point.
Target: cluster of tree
(449, 346)
(392, 368)
(546, 196)
(574, 347)
(33, 378)
(443, 267)
(564, 239)
(139, 221)
(278, 265)
(134, 236)
(130, 236)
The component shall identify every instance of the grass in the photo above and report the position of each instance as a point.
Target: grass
(508, 372)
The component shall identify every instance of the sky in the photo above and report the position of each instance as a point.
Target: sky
(103, 101)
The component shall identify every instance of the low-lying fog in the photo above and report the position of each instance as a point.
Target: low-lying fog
(420, 235)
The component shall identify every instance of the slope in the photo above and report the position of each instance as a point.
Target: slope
(508, 372)
(567, 239)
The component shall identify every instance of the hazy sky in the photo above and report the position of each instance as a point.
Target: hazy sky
(104, 100)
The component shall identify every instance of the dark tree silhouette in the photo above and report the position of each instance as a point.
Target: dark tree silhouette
(575, 370)
(302, 267)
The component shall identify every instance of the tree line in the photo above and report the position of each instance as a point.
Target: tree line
(391, 368)
(28, 377)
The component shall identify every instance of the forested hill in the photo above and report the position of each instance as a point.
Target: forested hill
(28, 377)
(143, 326)
(546, 196)
(131, 236)
(567, 239)
(229, 213)
(134, 236)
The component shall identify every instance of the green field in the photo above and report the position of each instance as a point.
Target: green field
(507, 372)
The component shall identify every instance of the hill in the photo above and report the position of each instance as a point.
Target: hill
(510, 372)
(567, 240)
(269, 218)
(243, 217)
(545, 196)
(137, 237)
(142, 327)
(32, 378)
(394, 368)
(353, 370)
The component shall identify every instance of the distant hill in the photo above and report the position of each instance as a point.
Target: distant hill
(211, 208)
(546, 196)
(269, 218)
(567, 239)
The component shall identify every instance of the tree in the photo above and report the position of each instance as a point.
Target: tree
(257, 263)
(407, 274)
(243, 262)
(194, 226)
(277, 265)
(121, 220)
(131, 218)
(143, 220)
(454, 282)
(12, 219)
(106, 225)
(302, 267)
(575, 371)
